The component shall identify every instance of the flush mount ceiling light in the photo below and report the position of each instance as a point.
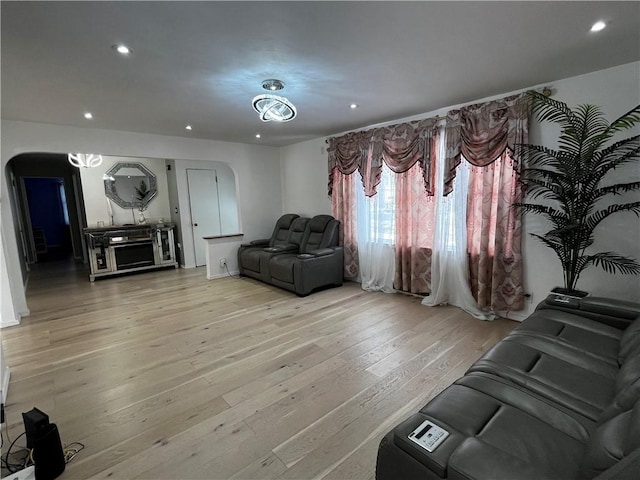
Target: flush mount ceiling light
(599, 25)
(88, 115)
(273, 108)
(122, 49)
(85, 160)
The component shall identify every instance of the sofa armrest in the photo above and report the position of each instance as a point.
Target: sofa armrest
(613, 312)
(610, 307)
(288, 247)
(260, 242)
(323, 252)
(263, 242)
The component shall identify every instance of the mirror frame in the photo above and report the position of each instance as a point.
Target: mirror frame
(110, 185)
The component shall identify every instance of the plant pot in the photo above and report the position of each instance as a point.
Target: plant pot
(565, 292)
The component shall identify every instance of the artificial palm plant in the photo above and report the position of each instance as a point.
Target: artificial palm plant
(570, 183)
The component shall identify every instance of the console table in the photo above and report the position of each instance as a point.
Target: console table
(130, 248)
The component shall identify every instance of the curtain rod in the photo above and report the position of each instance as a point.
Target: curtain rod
(546, 91)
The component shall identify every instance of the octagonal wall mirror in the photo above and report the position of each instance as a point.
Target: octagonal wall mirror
(130, 185)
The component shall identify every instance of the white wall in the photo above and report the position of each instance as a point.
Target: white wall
(305, 178)
(615, 90)
(257, 169)
(95, 200)
(7, 313)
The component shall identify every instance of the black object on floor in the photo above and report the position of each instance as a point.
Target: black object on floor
(43, 437)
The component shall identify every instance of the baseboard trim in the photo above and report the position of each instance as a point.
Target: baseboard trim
(518, 317)
(222, 275)
(13, 322)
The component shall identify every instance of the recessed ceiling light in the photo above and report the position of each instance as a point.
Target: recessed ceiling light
(257, 135)
(188, 127)
(273, 84)
(353, 106)
(88, 115)
(599, 25)
(122, 49)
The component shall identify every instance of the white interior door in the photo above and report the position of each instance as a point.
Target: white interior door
(205, 213)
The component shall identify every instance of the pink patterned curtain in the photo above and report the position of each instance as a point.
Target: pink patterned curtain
(347, 154)
(343, 208)
(400, 147)
(415, 228)
(482, 133)
(494, 232)
(485, 136)
(407, 149)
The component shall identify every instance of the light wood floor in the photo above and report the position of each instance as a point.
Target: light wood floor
(169, 375)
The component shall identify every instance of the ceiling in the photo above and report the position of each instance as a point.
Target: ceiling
(201, 63)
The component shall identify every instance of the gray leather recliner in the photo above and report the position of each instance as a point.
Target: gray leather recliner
(319, 262)
(249, 253)
(557, 398)
(306, 258)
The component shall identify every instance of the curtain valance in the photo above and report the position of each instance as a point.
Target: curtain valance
(483, 132)
(400, 147)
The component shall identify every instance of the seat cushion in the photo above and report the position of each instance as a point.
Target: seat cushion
(498, 431)
(587, 336)
(521, 436)
(613, 440)
(281, 267)
(559, 380)
(250, 259)
(630, 341)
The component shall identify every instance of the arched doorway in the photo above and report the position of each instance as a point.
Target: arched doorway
(48, 208)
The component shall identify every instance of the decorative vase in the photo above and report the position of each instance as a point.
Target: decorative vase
(141, 219)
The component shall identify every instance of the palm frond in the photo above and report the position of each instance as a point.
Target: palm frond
(585, 133)
(552, 176)
(613, 263)
(552, 244)
(594, 219)
(616, 155)
(536, 155)
(626, 121)
(556, 216)
(541, 189)
(617, 189)
(548, 109)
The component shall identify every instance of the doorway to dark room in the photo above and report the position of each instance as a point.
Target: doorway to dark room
(49, 217)
(48, 212)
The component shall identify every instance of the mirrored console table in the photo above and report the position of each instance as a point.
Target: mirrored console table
(130, 248)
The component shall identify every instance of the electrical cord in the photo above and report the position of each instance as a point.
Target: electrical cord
(10, 466)
(229, 273)
(70, 452)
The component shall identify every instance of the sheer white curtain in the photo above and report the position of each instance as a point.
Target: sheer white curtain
(375, 219)
(450, 261)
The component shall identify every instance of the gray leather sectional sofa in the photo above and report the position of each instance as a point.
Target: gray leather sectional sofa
(302, 254)
(557, 398)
